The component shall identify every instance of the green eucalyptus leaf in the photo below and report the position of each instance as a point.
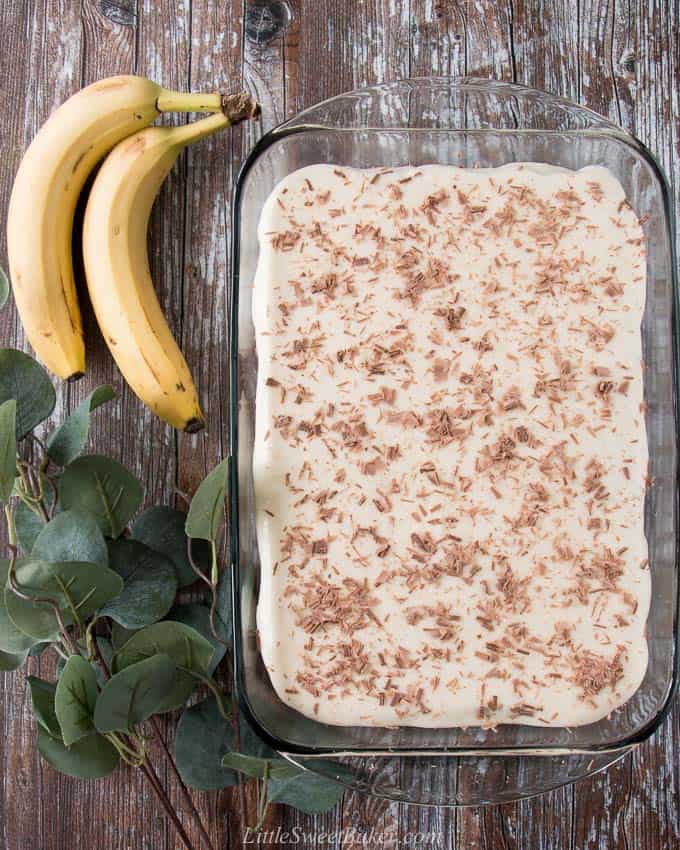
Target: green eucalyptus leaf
(197, 615)
(102, 487)
(120, 635)
(203, 736)
(71, 536)
(282, 769)
(162, 529)
(249, 765)
(87, 586)
(287, 783)
(190, 651)
(75, 699)
(252, 744)
(11, 660)
(90, 758)
(207, 506)
(12, 640)
(106, 650)
(258, 768)
(67, 441)
(23, 379)
(8, 448)
(150, 584)
(4, 288)
(134, 694)
(307, 791)
(42, 694)
(28, 525)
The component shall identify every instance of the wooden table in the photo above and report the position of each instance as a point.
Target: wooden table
(620, 58)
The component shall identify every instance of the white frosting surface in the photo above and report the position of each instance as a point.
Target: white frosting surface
(450, 451)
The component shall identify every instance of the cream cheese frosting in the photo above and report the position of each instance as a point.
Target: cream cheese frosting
(450, 452)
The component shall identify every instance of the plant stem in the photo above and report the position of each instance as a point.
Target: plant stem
(53, 488)
(148, 770)
(214, 572)
(100, 658)
(11, 528)
(37, 491)
(212, 687)
(184, 134)
(211, 616)
(183, 789)
(32, 494)
(38, 442)
(69, 600)
(164, 800)
(184, 496)
(91, 639)
(263, 798)
(133, 757)
(60, 652)
(69, 643)
(31, 504)
(194, 565)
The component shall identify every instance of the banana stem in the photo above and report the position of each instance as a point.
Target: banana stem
(230, 109)
(178, 101)
(185, 134)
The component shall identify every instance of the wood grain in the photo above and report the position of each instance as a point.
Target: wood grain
(620, 57)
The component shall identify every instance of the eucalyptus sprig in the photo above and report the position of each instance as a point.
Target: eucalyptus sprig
(95, 581)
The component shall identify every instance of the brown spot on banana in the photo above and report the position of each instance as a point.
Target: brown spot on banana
(151, 369)
(74, 325)
(136, 146)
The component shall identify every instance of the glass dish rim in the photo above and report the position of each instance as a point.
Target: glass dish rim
(297, 126)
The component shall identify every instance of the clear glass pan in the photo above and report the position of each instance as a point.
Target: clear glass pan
(467, 123)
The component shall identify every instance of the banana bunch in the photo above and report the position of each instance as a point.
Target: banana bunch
(109, 119)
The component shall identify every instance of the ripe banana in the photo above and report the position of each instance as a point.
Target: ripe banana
(46, 189)
(117, 264)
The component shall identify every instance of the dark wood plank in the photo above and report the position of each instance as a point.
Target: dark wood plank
(439, 39)
(39, 48)
(19, 824)
(545, 39)
(621, 58)
(646, 61)
(627, 74)
(215, 64)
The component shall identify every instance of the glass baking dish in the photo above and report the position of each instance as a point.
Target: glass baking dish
(468, 123)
